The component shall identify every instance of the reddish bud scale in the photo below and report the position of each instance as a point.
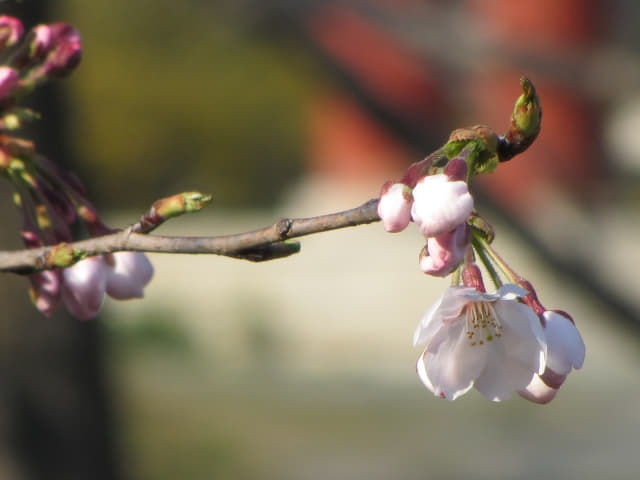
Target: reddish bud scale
(531, 299)
(456, 169)
(472, 277)
(419, 169)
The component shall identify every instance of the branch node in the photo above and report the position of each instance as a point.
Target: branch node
(283, 226)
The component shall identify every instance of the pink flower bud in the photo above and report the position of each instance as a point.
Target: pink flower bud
(394, 206)
(445, 252)
(66, 50)
(8, 80)
(130, 273)
(10, 31)
(122, 275)
(84, 286)
(440, 205)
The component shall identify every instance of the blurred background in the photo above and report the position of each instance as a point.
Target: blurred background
(303, 368)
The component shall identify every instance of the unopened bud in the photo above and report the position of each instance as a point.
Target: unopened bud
(66, 50)
(40, 41)
(8, 80)
(181, 203)
(10, 31)
(63, 255)
(394, 206)
(476, 145)
(525, 123)
(169, 207)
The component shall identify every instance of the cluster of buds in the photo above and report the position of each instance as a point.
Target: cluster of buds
(53, 202)
(501, 342)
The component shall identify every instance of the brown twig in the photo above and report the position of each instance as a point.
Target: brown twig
(258, 245)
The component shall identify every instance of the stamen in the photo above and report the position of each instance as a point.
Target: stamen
(482, 323)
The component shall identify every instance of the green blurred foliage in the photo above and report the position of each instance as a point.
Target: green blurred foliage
(173, 96)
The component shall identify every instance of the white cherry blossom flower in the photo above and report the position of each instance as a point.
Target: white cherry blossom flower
(440, 204)
(122, 275)
(394, 206)
(474, 339)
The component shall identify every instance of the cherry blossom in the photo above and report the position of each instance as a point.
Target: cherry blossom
(121, 275)
(474, 339)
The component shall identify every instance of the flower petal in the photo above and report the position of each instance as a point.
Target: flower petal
(523, 333)
(451, 363)
(447, 307)
(538, 392)
(565, 347)
(502, 375)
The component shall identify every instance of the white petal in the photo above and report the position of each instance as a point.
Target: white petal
(422, 373)
(451, 363)
(565, 347)
(521, 324)
(502, 375)
(511, 291)
(447, 307)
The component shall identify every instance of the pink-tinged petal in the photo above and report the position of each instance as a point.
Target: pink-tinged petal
(84, 286)
(451, 363)
(445, 252)
(565, 347)
(502, 374)
(538, 392)
(130, 273)
(552, 379)
(440, 205)
(394, 206)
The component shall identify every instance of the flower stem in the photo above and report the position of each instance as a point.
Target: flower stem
(497, 260)
(480, 246)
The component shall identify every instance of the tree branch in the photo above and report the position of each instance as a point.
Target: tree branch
(258, 245)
